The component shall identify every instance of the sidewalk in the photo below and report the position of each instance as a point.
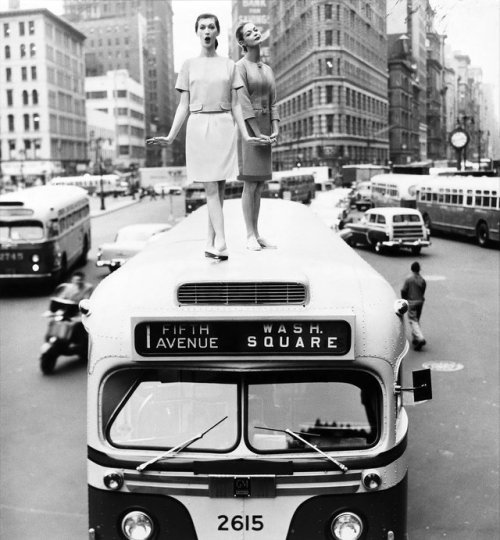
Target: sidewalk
(110, 204)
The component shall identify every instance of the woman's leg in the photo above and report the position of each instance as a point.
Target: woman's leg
(215, 198)
(256, 207)
(248, 200)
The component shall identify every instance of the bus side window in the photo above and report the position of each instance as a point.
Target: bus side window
(469, 198)
(486, 199)
(478, 198)
(53, 228)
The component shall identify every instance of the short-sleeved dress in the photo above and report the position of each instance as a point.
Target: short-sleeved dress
(258, 100)
(211, 133)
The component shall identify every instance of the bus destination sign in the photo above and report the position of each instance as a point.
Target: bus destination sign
(322, 338)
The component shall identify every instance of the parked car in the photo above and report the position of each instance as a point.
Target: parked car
(389, 228)
(128, 242)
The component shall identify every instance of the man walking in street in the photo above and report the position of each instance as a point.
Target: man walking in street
(413, 291)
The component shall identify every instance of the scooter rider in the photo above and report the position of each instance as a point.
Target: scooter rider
(77, 289)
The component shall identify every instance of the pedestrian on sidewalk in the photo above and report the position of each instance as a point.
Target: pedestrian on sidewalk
(414, 292)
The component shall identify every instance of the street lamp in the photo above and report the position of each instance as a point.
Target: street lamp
(98, 163)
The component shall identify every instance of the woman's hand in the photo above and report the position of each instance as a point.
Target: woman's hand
(162, 141)
(257, 141)
(273, 137)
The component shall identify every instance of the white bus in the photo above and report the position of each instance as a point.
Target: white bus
(466, 206)
(93, 184)
(258, 398)
(43, 232)
(395, 189)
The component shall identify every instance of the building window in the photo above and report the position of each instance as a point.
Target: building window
(26, 118)
(36, 122)
(24, 73)
(32, 49)
(329, 123)
(6, 30)
(31, 27)
(329, 94)
(33, 73)
(34, 97)
(21, 28)
(25, 97)
(10, 122)
(329, 66)
(7, 51)
(10, 101)
(12, 147)
(328, 37)
(8, 74)
(328, 11)
(22, 49)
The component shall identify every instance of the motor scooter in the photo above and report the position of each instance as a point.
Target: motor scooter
(65, 334)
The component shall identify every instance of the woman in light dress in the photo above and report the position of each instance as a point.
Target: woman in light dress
(208, 85)
(258, 103)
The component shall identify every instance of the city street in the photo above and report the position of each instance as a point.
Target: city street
(453, 439)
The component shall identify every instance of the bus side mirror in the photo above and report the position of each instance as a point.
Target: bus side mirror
(422, 386)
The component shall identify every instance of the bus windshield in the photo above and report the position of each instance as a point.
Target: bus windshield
(163, 408)
(21, 231)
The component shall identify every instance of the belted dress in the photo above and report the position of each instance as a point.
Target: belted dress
(211, 132)
(258, 100)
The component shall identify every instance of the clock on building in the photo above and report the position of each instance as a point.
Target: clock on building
(459, 138)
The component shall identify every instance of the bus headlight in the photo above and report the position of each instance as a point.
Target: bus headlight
(35, 268)
(35, 258)
(137, 525)
(347, 526)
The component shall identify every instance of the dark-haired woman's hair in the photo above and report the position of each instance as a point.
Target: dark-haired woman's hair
(239, 34)
(208, 16)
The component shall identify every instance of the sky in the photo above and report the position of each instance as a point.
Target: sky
(472, 27)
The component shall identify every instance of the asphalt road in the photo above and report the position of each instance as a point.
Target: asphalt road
(453, 442)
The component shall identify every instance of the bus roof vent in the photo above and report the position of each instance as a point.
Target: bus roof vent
(242, 293)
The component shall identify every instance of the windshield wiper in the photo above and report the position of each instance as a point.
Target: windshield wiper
(176, 449)
(340, 465)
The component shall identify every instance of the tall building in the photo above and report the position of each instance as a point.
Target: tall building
(42, 99)
(136, 35)
(330, 63)
(409, 18)
(404, 92)
(122, 98)
(435, 92)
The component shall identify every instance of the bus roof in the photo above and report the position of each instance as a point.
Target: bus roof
(44, 198)
(461, 182)
(366, 166)
(398, 178)
(338, 282)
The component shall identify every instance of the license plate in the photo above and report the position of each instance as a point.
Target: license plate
(11, 256)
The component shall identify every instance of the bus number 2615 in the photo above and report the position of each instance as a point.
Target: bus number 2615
(240, 523)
